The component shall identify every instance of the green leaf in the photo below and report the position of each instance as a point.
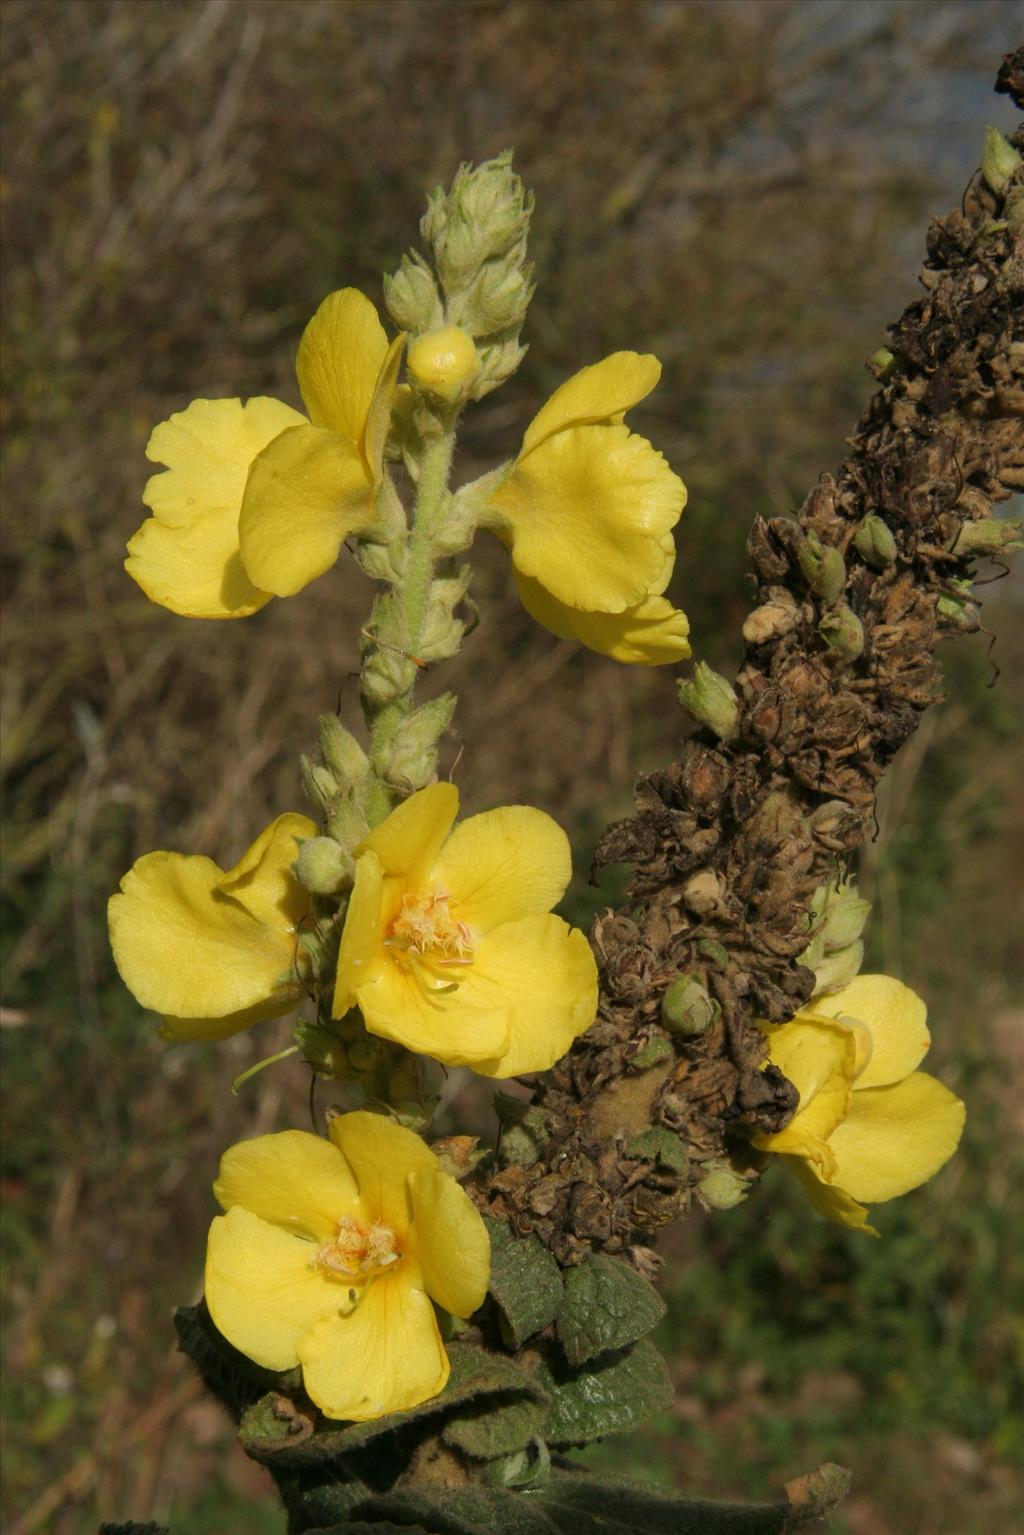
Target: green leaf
(459, 1511)
(525, 1281)
(474, 1373)
(605, 1396)
(607, 1305)
(578, 1504)
(499, 1427)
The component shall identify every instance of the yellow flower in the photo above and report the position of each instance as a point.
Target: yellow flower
(213, 952)
(587, 514)
(329, 1255)
(449, 946)
(256, 500)
(869, 1126)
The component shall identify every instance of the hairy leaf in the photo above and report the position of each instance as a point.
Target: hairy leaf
(577, 1504)
(607, 1305)
(525, 1281)
(605, 1396)
(500, 1427)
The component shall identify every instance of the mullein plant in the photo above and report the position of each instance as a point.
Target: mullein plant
(355, 1267)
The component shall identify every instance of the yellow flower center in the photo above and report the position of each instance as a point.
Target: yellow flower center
(430, 939)
(358, 1251)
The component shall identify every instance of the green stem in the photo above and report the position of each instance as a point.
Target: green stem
(398, 620)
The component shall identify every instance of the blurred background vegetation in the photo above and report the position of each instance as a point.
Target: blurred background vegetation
(742, 188)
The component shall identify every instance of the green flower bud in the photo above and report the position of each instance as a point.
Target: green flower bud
(658, 1144)
(999, 160)
(874, 542)
(989, 535)
(882, 365)
(342, 753)
(387, 675)
(366, 1054)
(654, 1050)
(823, 568)
(711, 701)
(845, 916)
(484, 215)
(687, 1009)
(835, 971)
(500, 360)
(716, 953)
(346, 822)
(722, 1188)
(323, 867)
(411, 296)
(319, 783)
(381, 562)
(323, 1050)
(843, 632)
(444, 363)
(499, 298)
(412, 756)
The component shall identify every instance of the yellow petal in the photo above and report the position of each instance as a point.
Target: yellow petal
(295, 1180)
(263, 1293)
(339, 360)
(385, 1356)
(382, 1155)
(362, 934)
(602, 392)
(452, 1244)
(193, 1030)
(504, 864)
(409, 840)
(186, 557)
(542, 974)
(819, 1057)
(378, 420)
(896, 1138)
(263, 879)
(587, 514)
(896, 1018)
(440, 1023)
(650, 633)
(832, 1202)
(186, 950)
(306, 492)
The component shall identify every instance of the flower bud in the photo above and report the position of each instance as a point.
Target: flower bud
(346, 821)
(484, 215)
(722, 1188)
(843, 632)
(835, 971)
(411, 296)
(703, 892)
(342, 753)
(381, 562)
(500, 361)
(771, 620)
(874, 542)
(444, 363)
(989, 535)
(386, 676)
(999, 160)
(687, 1009)
(882, 365)
(845, 916)
(323, 867)
(655, 1049)
(319, 784)
(711, 701)
(823, 568)
(499, 298)
(366, 1053)
(713, 951)
(323, 1050)
(412, 757)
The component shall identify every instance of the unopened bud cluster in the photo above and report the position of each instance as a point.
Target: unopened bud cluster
(465, 307)
(835, 952)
